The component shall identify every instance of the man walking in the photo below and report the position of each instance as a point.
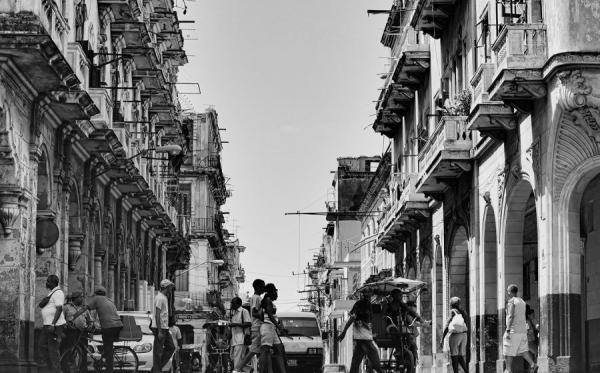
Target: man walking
(163, 342)
(361, 315)
(110, 323)
(240, 322)
(257, 320)
(515, 337)
(54, 321)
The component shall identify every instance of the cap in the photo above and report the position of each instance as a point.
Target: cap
(166, 283)
(454, 301)
(100, 290)
(75, 294)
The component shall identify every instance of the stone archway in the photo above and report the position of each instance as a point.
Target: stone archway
(520, 256)
(489, 324)
(579, 231)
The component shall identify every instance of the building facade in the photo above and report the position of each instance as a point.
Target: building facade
(206, 284)
(492, 114)
(91, 144)
(335, 272)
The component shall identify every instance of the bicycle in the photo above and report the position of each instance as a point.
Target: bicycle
(220, 358)
(74, 358)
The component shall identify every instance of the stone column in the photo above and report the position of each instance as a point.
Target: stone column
(163, 262)
(17, 288)
(98, 256)
(77, 265)
(123, 287)
(112, 262)
(133, 292)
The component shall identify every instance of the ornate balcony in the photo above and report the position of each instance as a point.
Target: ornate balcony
(521, 52)
(103, 102)
(403, 216)
(412, 65)
(135, 33)
(431, 16)
(387, 123)
(491, 118)
(445, 156)
(124, 9)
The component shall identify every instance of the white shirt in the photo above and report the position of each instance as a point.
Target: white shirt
(239, 316)
(162, 303)
(48, 312)
(255, 304)
(515, 315)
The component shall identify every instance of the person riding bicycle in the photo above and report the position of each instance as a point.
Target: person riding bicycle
(397, 314)
(217, 342)
(79, 321)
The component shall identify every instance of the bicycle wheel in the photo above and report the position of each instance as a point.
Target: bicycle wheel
(125, 359)
(72, 359)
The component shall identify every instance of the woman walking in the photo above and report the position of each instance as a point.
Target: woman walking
(458, 329)
(269, 336)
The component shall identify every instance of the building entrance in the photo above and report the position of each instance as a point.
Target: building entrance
(521, 254)
(590, 237)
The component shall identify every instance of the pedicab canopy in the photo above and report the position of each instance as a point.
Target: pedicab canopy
(387, 285)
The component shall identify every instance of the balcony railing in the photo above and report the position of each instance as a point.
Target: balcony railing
(521, 51)
(446, 154)
(206, 225)
(521, 46)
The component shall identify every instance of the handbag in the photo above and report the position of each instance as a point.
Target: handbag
(457, 324)
(46, 300)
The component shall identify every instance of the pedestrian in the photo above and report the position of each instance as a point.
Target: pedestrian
(177, 342)
(110, 323)
(514, 341)
(53, 320)
(360, 317)
(271, 347)
(457, 326)
(240, 327)
(532, 332)
(79, 321)
(257, 320)
(163, 343)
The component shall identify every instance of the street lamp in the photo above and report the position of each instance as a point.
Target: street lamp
(213, 261)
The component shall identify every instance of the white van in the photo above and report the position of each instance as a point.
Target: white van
(302, 341)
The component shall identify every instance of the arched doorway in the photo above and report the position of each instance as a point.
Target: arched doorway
(458, 268)
(589, 217)
(490, 331)
(521, 251)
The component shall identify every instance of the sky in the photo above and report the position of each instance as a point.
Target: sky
(294, 85)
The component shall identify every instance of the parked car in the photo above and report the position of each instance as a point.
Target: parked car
(143, 348)
(334, 368)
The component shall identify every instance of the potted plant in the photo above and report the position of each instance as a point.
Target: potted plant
(460, 105)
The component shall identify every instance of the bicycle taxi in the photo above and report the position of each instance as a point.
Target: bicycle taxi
(390, 333)
(218, 336)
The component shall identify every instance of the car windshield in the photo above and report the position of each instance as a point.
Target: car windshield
(144, 323)
(295, 326)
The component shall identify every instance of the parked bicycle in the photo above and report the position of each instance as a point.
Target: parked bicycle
(74, 358)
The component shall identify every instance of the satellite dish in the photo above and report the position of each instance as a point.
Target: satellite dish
(46, 233)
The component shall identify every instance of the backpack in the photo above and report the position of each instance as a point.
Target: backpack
(457, 324)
